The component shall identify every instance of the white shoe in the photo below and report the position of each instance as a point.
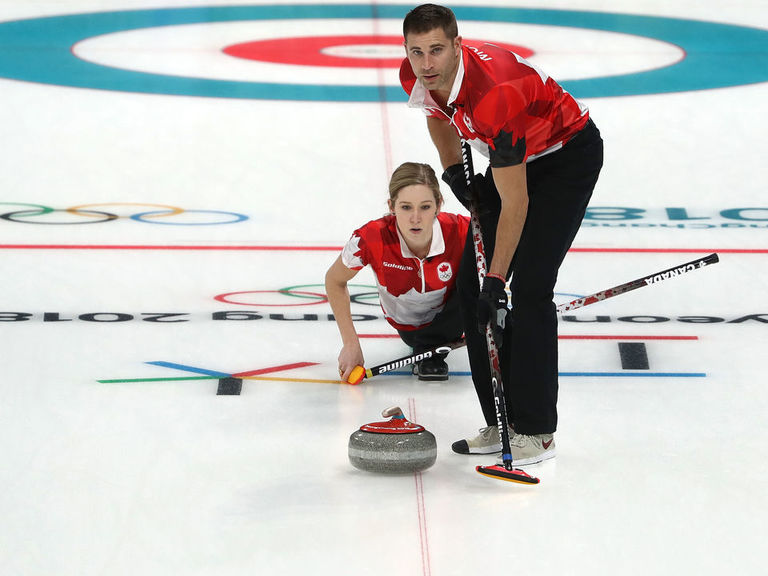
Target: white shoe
(530, 449)
(487, 442)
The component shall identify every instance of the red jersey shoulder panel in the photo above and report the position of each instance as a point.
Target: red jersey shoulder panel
(509, 105)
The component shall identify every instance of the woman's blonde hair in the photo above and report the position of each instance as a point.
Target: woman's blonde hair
(410, 173)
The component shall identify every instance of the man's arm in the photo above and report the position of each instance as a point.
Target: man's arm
(513, 190)
(510, 182)
(448, 144)
(446, 140)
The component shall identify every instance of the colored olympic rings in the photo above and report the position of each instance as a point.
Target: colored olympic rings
(354, 298)
(226, 298)
(19, 214)
(237, 218)
(45, 215)
(314, 298)
(368, 296)
(172, 209)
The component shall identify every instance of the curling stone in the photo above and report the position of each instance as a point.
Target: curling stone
(392, 446)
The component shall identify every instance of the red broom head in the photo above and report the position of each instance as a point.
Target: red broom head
(501, 473)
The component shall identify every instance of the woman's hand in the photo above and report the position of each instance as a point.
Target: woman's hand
(351, 355)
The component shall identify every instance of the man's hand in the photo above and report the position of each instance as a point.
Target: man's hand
(492, 307)
(455, 177)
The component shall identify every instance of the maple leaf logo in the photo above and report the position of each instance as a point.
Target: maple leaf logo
(444, 271)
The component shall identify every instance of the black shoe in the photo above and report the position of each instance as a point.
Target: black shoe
(431, 369)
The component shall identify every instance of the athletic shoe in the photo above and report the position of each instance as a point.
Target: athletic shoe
(431, 369)
(487, 442)
(530, 449)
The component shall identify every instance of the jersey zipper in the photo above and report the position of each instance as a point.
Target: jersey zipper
(421, 275)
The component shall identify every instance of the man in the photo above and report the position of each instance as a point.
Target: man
(545, 155)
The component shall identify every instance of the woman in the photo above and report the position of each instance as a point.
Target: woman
(414, 252)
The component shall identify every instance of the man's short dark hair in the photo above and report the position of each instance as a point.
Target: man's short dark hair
(428, 17)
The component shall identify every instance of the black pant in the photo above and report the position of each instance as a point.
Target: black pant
(560, 185)
(445, 327)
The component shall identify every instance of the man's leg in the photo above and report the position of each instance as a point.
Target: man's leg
(559, 188)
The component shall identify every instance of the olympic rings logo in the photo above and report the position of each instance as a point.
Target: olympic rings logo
(313, 295)
(85, 214)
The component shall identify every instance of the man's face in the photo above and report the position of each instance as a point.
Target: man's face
(434, 58)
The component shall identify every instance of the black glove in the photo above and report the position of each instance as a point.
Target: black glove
(455, 178)
(492, 307)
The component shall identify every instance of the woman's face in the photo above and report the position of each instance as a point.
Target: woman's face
(415, 211)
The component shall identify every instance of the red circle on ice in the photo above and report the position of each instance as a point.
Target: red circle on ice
(338, 51)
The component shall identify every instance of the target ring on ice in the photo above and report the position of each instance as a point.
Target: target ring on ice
(372, 51)
(714, 55)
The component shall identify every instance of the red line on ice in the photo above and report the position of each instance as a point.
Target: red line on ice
(274, 369)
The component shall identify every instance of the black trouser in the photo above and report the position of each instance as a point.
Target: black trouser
(560, 185)
(445, 327)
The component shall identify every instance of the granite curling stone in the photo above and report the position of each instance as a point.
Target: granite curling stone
(393, 446)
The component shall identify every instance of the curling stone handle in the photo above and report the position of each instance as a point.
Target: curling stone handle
(393, 411)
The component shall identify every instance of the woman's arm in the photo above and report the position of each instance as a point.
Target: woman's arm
(336, 279)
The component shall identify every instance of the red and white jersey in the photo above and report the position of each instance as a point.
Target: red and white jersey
(504, 106)
(411, 290)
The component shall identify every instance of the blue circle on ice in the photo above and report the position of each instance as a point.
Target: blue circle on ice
(716, 55)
